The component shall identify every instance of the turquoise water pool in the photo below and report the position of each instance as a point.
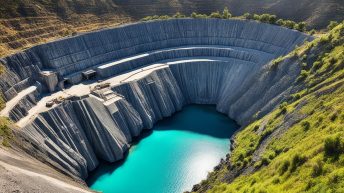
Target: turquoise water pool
(178, 153)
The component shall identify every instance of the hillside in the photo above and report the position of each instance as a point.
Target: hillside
(299, 146)
(317, 13)
(25, 23)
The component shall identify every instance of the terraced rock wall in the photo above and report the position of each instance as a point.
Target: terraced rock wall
(208, 61)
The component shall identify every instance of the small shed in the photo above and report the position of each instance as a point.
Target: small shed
(89, 74)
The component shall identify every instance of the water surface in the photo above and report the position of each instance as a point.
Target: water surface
(178, 153)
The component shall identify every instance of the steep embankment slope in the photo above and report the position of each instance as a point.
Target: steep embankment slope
(299, 146)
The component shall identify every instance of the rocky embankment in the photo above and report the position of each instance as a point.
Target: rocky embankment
(203, 61)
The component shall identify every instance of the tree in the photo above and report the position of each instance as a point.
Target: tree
(194, 15)
(179, 15)
(301, 26)
(280, 22)
(289, 24)
(267, 18)
(226, 14)
(272, 19)
(256, 17)
(247, 16)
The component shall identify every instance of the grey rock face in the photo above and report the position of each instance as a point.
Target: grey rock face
(70, 56)
(21, 109)
(209, 61)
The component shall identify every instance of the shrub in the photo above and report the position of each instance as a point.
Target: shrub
(2, 102)
(179, 15)
(324, 39)
(334, 179)
(312, 32)
(306, 125)
(289, 24)
(297, 161)
(255, 128)
(316, 66)
(265, 161)
(303, 75)
(276, 180)
(283, 108)
(317, 169)
(2, 68)
(247, 16)
(238, 164)
(284, 167)
(226, 14)
(256, 17)
(304, 65)
(280, 22)
(164, 17)
(334, 116)
(195, 15)
(301, 26)
(245, 162)
(5, 132)
(333, 146)
(276, 62)
(266, 18)
(332, 25)
(264, 135)
(241, 157)
(215, 15)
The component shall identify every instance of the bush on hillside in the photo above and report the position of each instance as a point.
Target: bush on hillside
(333, 146)
(196, 15)
(332, 25)
(265, 18)
(306, 125)
(297, 161)
(215, 15)
(5, 131)
(247, 16)
(317, 168)
(284, 167)
(226, 14)
(179, 15)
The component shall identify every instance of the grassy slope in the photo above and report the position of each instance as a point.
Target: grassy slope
(297, 160)
(25, 23)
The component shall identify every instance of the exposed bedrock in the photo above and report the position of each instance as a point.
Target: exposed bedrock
(78, 133)
(205, 61)
(69, 57)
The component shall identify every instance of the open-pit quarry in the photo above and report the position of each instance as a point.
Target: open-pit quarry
(84, 98)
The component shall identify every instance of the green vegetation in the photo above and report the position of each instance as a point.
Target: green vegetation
(309, 155)
(6, 134)
(333, 146)
(332, 25)
(264, 18)
(2, 101)
(5, 131)
(2, 68)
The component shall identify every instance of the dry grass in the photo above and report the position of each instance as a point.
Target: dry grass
(21, 33)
